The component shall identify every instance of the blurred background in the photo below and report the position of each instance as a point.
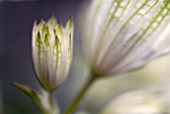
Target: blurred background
(16, 20)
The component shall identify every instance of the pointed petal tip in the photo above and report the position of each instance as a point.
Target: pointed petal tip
(70, 17)
(52, 20)
(60, 24)
(52, 17)
(70, 22)
(42, 21)
(35, 22)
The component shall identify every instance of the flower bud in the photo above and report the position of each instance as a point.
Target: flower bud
(52, 52)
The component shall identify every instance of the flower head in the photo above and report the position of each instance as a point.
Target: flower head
(123, 35)
(137, 102)
(52, 50)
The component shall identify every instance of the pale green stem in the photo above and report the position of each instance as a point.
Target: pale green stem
(50, 107)
(71, 108)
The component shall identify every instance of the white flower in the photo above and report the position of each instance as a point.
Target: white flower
(52, 50)
(137, 102)
(81, 112)
(123, 35)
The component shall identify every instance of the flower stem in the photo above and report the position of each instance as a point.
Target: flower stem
(49, 107)
(71, 108)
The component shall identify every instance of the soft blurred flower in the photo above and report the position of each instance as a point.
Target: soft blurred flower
(52, 51)
(137, 102)
(81, 112)
(123, 35)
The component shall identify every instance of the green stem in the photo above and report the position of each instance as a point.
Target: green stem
(71, 108)
(51, 108)
(51, 98)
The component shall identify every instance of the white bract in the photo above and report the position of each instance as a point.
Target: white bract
(52, 51)
(137, 102)
(123, 35)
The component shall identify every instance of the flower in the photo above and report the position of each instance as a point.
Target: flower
(137, 102)
(123, 35)
(52, 51)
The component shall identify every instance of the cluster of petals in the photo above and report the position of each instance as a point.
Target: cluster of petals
(52, 51)
(123, 35)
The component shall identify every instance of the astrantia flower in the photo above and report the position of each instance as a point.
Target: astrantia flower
(123, 35)
(137, 102)
(52, 50)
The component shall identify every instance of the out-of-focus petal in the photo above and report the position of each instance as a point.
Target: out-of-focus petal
(137, 102)
(123, 35)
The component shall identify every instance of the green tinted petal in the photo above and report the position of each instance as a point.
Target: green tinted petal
(52, 22)
(50, 52)
(59, 30)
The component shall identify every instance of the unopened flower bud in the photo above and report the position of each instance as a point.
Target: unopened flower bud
(52, 52)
